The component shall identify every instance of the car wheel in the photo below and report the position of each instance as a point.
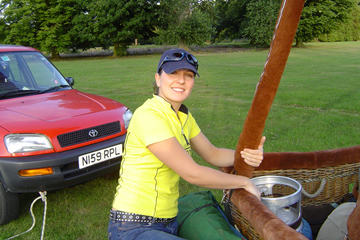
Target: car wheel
(9, 205)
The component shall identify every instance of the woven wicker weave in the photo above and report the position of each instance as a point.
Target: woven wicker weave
(243, 225)
(336, 179)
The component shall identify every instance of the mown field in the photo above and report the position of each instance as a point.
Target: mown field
(317, 107)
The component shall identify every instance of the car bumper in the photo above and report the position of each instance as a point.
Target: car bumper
(65, 168)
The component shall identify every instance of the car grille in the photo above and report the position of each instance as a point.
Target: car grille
(83, 135)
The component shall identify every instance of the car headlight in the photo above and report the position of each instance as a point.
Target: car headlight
(20, 143)
(127, 117)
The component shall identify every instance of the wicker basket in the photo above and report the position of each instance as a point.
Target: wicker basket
(320, 186)
(242, 225)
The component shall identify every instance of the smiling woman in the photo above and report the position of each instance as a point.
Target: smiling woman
(157, 153)
(175, 87)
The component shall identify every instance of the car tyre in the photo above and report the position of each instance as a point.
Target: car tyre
(9, 205)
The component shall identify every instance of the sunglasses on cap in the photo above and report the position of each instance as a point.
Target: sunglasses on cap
(176, 57)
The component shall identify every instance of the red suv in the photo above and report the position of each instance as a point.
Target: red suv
(51, 135)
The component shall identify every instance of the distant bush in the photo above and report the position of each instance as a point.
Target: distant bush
(346, 32)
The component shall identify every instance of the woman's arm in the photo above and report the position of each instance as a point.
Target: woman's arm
(171, 153)
(221, 157)
(218, 157)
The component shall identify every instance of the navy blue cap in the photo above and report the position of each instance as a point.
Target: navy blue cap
(170, 67)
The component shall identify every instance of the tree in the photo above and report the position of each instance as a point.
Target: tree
(322, 17)
(185, 22)
(262, 17)
(2, 30)
(349, 31)
(254, 19)
(54, 34)
(41, 24)
(117, 22)
(231, 18)
(2, 22)
(20, 23)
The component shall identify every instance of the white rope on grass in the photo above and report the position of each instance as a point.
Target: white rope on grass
(43, 198)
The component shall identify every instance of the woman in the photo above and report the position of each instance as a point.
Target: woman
(157, 153)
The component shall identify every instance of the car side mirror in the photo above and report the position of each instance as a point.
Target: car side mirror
(70, 81)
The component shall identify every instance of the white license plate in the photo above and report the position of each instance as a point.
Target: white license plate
(99, 156)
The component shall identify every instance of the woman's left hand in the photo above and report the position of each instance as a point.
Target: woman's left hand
(254, 157)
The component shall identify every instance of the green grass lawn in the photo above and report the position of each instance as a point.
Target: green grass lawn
(317, 107)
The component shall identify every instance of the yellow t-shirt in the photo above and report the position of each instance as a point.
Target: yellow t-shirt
(146, 185)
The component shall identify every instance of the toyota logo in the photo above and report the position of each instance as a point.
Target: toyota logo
(93, 133)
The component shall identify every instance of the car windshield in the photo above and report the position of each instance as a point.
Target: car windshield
(23, 73)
